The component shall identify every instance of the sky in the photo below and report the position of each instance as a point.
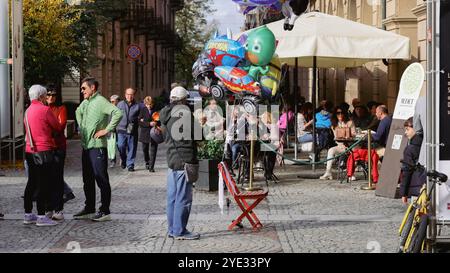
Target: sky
(227, 15)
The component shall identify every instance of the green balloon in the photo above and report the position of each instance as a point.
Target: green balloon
(261, 45)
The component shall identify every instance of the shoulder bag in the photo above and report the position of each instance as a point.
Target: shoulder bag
(190, 169)
(39, 158)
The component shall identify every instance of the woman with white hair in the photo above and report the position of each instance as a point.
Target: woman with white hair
(40, 125)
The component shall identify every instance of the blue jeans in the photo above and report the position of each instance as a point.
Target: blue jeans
(305, 138)
(235, 149)
(179, 202)
(127, 148)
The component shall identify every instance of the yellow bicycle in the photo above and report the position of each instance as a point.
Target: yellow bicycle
(415, 222)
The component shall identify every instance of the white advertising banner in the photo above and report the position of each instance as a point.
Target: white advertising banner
(18, 88)
(410, 87)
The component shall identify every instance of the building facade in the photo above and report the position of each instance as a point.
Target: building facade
(148, 24)
(378, 80)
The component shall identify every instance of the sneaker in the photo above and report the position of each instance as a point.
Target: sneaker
(131, 169)
(188, 236)
(49, 214)
(68, 197)
(152, 170)
(123, 166)
(112, 165)
(326, 176)
(44, 221)
(170, 235)
(102, 217)
(82, 215)
(352, 178)
(147, 166)
(58, 216)
(30, 218)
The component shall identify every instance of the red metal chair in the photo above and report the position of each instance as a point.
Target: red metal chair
(241, 199)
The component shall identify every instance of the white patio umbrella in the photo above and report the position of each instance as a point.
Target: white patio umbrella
(336, 42)
(320, 40)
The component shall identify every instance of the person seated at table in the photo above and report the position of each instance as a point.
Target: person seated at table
(361, 118)
(339, 121)
(323, 125)
(372, 106)
(304, 122)
(361, 154)
(355, 102)
(286, 118)
(272, 143)
(346, 108)
(233, 136)
(381, 136)
(379, 139)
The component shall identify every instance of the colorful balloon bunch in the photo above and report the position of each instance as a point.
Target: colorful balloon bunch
(247, 68)
(291, 9)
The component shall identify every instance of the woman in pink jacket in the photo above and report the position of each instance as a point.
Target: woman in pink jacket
(40, 126)
(286, 118)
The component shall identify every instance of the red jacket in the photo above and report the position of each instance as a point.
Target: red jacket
(60, 113)
(43, 124)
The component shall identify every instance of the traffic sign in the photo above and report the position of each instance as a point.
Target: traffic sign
(134, 52)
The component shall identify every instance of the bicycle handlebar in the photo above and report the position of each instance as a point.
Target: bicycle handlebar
(437, 176)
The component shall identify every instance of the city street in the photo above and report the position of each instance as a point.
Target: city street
(299, 216)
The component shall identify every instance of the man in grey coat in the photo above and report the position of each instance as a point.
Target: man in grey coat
(127, 130)
(178, 127)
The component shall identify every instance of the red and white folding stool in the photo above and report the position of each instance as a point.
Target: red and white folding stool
(241, 199)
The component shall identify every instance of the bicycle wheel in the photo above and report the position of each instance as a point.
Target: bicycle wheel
(419, 236)
(405, 230)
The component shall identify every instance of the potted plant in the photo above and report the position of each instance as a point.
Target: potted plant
(210, 153)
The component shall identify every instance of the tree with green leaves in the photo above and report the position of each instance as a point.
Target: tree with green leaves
(59, 36)
(192, 27)
(51, 47)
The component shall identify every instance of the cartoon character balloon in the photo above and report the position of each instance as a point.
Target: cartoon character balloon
(237, 80)
(261, 45)
(245, 68)
(270, 82)
(223, 51)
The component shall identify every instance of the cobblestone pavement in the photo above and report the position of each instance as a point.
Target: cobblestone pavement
(299, 215)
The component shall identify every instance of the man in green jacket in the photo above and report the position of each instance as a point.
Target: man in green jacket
(93, 117)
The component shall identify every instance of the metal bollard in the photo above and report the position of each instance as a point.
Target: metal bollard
(369, 160)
